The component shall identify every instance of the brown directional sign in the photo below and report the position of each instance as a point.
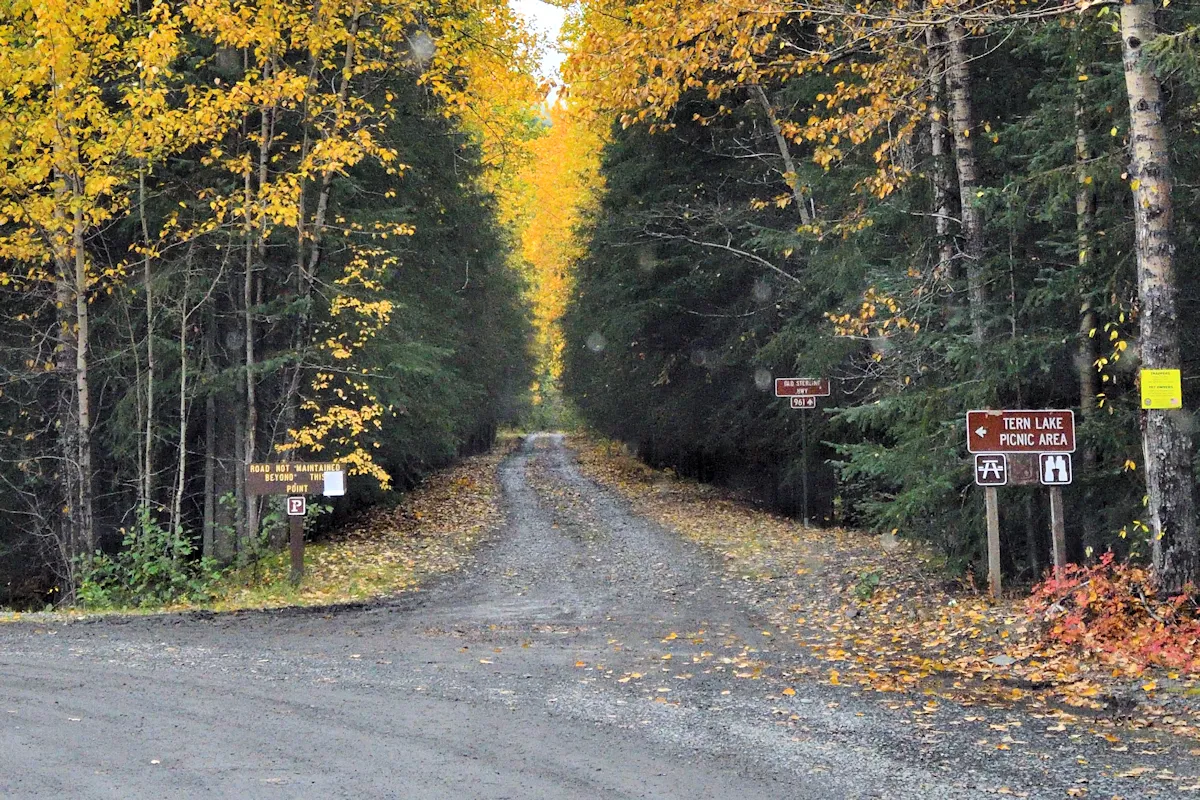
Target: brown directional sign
(801, 387)
(1021, 431)
(296, 478)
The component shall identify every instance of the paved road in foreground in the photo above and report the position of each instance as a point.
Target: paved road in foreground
(546, 669)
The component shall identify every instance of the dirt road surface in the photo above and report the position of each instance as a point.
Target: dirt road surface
(586, 653)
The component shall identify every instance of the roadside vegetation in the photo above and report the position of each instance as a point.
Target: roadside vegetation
(381, 552)
(234, 233)
(1095, 647)
(937, 206)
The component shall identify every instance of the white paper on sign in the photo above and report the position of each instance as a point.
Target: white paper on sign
(335, 483)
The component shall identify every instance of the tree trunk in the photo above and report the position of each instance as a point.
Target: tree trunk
(68, 528)
(181, 466)
(208, 534)
(82, 394)
(1089, 387)
(250, 430)
(943, 193)
(147, 488)
(1166, 439)
(790, 176)
(962, 122)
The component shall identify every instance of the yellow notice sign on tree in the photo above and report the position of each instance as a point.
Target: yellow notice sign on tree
(1161, 388)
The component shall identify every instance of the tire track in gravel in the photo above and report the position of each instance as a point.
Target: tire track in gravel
(585, 652)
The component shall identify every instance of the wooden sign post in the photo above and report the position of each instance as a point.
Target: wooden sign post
(296, 480)
(993, 539)
(1005, 444)
(803, 393)
(297, 509)
(991, 470)
(1054, 470)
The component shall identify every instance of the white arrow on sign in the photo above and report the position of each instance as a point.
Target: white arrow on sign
(981, 432)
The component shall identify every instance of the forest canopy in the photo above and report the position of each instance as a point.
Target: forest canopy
(244, 231)
(940, 206)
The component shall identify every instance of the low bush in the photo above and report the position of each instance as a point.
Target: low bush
(153, 567)
(1116, 612)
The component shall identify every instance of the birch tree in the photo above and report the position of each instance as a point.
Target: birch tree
(1166, 436)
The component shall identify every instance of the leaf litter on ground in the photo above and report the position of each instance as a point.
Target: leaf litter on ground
(881, 616)
(387, 550)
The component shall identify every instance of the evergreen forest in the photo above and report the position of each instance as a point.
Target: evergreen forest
(939, 206)
(243, 232)
(371, 232)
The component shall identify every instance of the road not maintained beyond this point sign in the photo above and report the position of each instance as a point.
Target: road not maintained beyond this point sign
(1021, 431)
(802, 387)
(294, 478)
(1161, 388)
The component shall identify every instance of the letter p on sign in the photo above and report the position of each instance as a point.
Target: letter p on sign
(297, 506)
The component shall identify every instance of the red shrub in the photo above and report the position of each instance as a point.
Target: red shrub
(1115, 612)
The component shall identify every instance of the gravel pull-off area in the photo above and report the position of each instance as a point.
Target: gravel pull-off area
(584, 653)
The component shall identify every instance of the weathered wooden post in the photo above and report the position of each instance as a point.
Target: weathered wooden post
(297, 509)
(1045, 435)
(993, 540)
(803, 393)
(296, 480)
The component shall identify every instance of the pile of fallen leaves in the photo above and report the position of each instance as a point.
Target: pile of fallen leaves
(431, 531)
(1115, 613)
(878, 612)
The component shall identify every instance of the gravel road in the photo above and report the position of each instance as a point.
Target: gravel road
(586, 653)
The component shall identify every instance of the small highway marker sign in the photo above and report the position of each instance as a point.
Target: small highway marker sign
(802, 387)
(1161, 388)
(804, 402)
(1055, 469)
(991, 469)
(297, 506)
(1021, 431)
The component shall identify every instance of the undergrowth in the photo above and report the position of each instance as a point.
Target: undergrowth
(1115, 612)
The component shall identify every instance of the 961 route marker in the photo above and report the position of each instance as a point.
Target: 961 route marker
(803, 394)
